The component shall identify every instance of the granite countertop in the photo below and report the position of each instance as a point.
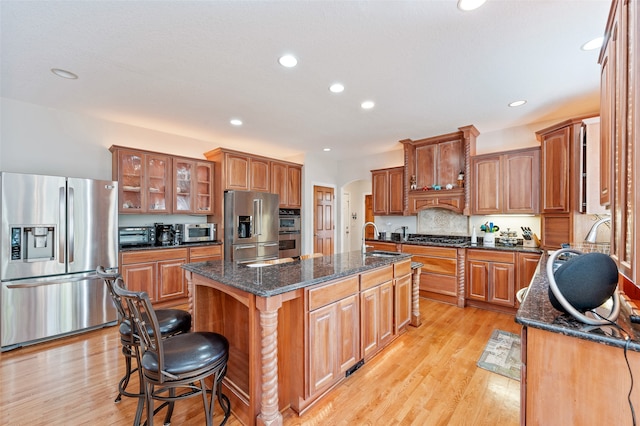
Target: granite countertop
(204, 243)
(280, 278)
(536, 311)
(496, 246)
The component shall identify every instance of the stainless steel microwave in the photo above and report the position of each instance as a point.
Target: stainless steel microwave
(196, 232)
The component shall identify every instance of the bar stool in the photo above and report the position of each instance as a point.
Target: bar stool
(171, 322)
(176, 367)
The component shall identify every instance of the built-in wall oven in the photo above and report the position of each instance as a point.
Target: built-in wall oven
(289, 233)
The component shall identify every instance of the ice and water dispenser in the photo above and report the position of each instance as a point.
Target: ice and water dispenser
(33, 243)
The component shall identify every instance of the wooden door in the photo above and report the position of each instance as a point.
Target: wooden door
(380, 188)
(426, 172)
(183, 175)
(140, 277)
(487, 193)
(502, 284)
(477, 280)
(323, 220)
(395, 191)
(402, 302)
(322, 347)
(348, 335)
(294, 186)
(171, 281)
(555, 171)
(259, 175)
(369, 306)
(237, 172)
(449, 162)
(385, 315)
(521, 186)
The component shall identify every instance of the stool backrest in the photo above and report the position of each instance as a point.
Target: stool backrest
(139, 312)
(109, 278)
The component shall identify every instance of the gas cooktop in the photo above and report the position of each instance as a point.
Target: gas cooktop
(441, 240)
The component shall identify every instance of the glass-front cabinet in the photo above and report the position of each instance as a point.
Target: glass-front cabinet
(193, 185)
(151, 182)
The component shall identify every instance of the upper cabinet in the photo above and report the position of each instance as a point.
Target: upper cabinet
(246, 172)
(438, 161)
(286, 180)
(193, 185)
(151, 182)
(506, 182)
(620, 120)
(388, 191)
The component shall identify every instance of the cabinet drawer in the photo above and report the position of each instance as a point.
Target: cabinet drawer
(491, 256)
(438, 265)
(205, 251)
(430, 251)
(401, 268)
(328, 293)
(375, 277)
(129, 257)
(439, 284)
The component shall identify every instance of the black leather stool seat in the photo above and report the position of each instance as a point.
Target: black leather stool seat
(171, 321)
(187, 355)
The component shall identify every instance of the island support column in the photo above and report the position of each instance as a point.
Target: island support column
(415, 297)
(269, 413)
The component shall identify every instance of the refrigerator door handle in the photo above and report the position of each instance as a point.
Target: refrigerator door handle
(244, 247)
(71, 226)
(257, 214)
(61, 225)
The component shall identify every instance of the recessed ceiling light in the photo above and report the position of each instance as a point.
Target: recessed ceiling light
(327, 149)
(517, 103)
(367, 104)
(236, 122)
(288, 61)
(64, 73)
(467, 5)
(594, 44)
(336, 88)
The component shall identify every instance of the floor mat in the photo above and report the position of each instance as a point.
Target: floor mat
(502, 354)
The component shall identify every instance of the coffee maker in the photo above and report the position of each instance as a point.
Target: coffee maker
(165, 234)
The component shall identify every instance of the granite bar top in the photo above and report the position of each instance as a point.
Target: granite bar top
(536, 311)
(271, 280)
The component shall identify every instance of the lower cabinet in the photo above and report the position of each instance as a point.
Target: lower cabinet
(439, 277)
(159, 271)
(377, 317)
(334, 332)
(491, 277)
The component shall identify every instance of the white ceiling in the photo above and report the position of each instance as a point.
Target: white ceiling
(187, 67)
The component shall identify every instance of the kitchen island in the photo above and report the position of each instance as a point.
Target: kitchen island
(297, 329)
(574, 373)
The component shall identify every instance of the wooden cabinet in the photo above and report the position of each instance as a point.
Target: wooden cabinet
(619, 128)
(158, 272)
(286, 181)
(144, 180)
(506, 182)
(438, 160)
(526, 267)
(381, 245)
(376, 304)
(246, 172)
(334, 339)
(193, 186)
(388, 191)
(151, 182)
(562, 186)
(440, 277)
(491, 278)
(403, 291)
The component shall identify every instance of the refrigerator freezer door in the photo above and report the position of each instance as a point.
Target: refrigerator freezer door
(32, 204)
(92, 224)
(267, 251)
(36, 309)
(243, 253)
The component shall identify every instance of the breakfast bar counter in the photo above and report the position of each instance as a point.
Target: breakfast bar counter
(297, 329)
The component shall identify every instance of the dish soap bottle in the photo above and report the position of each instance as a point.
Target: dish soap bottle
(474, 237)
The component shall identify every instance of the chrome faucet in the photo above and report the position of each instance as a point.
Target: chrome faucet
(364, 247)
(591, 236)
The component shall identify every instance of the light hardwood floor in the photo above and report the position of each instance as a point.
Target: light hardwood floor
(428, 376)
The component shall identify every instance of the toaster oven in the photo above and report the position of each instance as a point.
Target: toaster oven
(136, 236)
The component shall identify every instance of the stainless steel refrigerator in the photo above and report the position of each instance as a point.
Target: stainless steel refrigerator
(54, 232)
(250, 226)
